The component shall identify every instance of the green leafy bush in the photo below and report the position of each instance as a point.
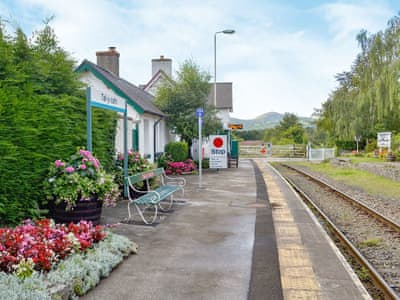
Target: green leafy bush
(177, 150)
(371, 146)
(43, 118)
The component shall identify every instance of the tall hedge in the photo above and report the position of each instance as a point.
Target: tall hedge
(42, 118)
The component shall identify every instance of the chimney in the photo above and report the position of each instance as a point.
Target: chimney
(161, 63)
(109, 60)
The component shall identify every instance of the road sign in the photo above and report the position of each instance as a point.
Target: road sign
(199, 113)
(235, 126)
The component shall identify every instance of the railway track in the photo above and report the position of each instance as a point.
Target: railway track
(368, 236)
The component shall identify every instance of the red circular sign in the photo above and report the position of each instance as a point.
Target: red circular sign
(218, 142)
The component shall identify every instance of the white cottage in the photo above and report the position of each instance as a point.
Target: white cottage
(147, 131)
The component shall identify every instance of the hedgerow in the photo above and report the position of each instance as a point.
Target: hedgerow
(42, 118)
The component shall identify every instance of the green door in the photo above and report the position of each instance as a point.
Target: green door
(135, 138)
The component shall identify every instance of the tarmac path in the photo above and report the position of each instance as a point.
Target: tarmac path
(204, 248)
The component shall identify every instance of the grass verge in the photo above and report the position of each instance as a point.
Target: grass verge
(371, 183)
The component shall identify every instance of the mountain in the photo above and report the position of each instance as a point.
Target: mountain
(267, 120)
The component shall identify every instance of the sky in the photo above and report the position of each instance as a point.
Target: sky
(283, 56)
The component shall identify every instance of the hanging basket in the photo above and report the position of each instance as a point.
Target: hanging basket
(84, 210)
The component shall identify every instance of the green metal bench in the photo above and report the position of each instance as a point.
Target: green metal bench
(150, 201)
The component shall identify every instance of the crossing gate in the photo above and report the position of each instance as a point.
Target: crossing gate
(269, 150)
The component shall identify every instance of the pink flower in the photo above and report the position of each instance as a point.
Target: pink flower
(58, 163)
(96, 163)
(85, 153)
(69, 169)
(82, 167)
(130, 152)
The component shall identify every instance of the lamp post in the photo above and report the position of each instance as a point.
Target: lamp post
(226, 31)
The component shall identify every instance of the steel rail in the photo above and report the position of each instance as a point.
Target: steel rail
(385, 220)
(377, 279)
(375, 276)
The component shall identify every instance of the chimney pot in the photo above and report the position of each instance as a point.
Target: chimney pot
(161, 56)
(112, 48)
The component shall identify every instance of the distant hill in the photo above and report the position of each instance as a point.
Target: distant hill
(267, 120)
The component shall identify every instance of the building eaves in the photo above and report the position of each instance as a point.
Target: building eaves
(139, 99)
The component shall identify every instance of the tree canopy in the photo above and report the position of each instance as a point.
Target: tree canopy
(367, 98)
(180, 100)
(289, 131)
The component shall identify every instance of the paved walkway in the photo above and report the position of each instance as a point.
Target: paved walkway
(220, 243)
(203, 250)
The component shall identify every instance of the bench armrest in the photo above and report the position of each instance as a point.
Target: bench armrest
(132, 186)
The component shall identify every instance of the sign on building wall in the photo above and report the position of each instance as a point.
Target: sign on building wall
(384, 139)
(218, 152)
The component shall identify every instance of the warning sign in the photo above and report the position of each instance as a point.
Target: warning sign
(218, 152)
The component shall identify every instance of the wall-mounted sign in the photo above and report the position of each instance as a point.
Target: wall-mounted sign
(384, 139)
(218, 152)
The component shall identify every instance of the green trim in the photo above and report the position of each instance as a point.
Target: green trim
(87, 67)
(135, 138)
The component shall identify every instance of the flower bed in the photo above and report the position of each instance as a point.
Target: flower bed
(37, 262)
(40, 245)
(180, 167)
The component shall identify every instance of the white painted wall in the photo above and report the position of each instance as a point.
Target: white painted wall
(145, 123)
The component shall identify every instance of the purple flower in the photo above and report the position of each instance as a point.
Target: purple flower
(82, 167)
(69, 169)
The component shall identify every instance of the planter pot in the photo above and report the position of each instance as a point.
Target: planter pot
(84, 210)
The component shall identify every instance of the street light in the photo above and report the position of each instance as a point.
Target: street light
(226, 31)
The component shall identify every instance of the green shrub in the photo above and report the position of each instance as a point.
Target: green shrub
(205, 163)
(371, 146)
(177, 150)
(349, 145)
(43, 118)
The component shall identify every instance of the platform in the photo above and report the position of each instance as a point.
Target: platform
(311, 265)
(239, 233)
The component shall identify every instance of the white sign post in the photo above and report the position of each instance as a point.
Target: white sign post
(218, 152)
(384, 140)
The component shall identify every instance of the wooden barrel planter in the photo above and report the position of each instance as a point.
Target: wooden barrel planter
(84, 210)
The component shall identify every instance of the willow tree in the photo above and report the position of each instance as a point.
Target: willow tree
(367, 97)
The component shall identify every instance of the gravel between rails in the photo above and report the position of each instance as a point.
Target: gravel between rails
(389, 207)
(378, 244)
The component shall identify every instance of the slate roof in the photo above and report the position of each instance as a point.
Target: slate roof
(140, 97)
(156, 77)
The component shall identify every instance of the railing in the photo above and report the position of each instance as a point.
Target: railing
(321, 154)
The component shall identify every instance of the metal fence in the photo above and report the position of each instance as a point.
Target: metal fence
(321, 154)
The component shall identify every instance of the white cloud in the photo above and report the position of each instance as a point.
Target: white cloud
(347, 19)
(272, 68)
